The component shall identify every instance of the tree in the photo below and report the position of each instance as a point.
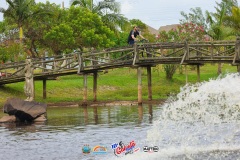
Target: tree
(219, 31)
(88, 29)
(196, 16)
(186, 31)
(21, 13)
(84, 3)
(234, 20)
(18, 12)
(50, 15)
(108, 10)
(59, 37)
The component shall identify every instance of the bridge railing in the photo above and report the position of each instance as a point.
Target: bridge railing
(105, 58)
(55, 65)
(12, 70)
(139, 54)
(189, 51)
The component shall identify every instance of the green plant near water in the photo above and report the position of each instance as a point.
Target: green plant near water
(117, 84)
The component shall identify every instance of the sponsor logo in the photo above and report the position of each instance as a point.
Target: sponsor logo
(150, 149)
(121, 149)
(86, 149)
(99, 150)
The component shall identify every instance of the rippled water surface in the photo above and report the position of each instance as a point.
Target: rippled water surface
(202, 122)
(69, 129)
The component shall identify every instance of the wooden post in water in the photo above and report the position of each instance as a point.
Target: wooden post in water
(149, 77)
(95, 86)
(85, 90)
(139, 73)
(198, 73)
(44, 88)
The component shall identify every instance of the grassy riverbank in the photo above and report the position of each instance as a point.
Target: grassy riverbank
(117, 84)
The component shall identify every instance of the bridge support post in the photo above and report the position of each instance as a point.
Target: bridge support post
(139, 73)
(186, 73)
(44, 88)
(95, 86)
(149, 77)
(237, 52)
(84, 90)
(198, 73)
(238, 68)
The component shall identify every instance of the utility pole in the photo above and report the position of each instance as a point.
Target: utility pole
(91, 5)
(62, 4)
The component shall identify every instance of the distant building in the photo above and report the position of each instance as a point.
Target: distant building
(168, 27)
(162, 28)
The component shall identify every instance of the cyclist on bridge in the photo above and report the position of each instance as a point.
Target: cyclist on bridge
(133, 35)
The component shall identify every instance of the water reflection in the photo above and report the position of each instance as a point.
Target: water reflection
(140, 113)
(95, 114)
(71, 128)
(150, 111)
(85, 111)
(109, 116)
(23, 127)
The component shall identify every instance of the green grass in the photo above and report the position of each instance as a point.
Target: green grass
(117, 84)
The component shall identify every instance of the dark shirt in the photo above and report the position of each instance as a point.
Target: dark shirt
(132, 33)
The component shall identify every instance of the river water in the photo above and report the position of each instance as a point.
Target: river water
(68, 129)
(201, 122)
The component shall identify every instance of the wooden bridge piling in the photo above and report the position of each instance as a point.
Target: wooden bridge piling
(139, 75)
(198, 73)
(95, 86)
(149, 79)
(237, 52)
(186, 73)
(44, 88)
(84, 90)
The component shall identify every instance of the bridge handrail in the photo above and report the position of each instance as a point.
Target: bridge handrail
(143, 54)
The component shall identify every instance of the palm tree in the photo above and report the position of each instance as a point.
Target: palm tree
(218, 28)
(218, 31)
(84, 3)
(17, 12)
(108, 10)
(234, 20)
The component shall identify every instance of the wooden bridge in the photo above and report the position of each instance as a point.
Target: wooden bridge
(138, 56)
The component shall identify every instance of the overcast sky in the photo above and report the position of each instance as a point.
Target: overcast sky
(154, 13)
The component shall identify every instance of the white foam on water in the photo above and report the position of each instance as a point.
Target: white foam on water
(201, 122)
(189, 153)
